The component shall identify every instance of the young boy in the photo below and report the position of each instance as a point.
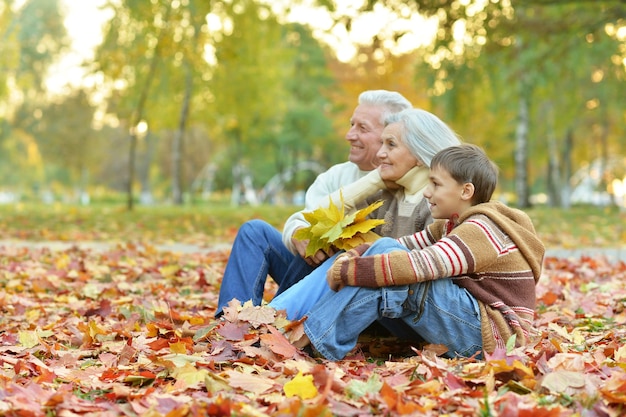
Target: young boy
(467, 281)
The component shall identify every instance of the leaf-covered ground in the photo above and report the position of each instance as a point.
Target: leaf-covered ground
(130, 331)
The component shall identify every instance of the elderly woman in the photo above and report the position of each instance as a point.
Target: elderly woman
(409, 141)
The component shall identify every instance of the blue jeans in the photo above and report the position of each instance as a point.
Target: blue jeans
(258, 251)
(438, 311)
(302, 296)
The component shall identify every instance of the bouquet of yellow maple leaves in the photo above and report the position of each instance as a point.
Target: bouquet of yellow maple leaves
(332, 228)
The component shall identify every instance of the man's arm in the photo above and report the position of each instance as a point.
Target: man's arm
(317, 195)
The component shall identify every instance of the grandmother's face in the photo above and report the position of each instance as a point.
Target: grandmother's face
(395, 157)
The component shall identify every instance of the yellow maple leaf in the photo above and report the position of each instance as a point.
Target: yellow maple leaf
(178, 347)
(330, 227)
(28, 339)
(188, 376)
(302, 386)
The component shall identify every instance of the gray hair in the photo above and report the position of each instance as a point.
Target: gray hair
(424, 133)
(390, 101)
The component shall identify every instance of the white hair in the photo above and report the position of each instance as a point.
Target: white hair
(424, 133)
(390, 101)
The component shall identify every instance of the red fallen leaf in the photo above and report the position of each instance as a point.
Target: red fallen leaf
(548, 298)
(45, 376)
(156, 327)
(127, 354)
(322, 377)
(102, 311)
(220, 408)
(222, 351)
(160, 343)
(233, 331)
(454, 382)
(112, 374)
(25, 400)
(278, 343)
(140, 378)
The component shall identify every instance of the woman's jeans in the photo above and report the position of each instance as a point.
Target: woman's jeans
(258, 250)
(439, 311)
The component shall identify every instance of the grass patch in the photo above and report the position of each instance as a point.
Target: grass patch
(205, 224)
(160, 224)
(580, 226)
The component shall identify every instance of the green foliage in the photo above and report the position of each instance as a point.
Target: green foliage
(33, 36)
(266, 88)
(275, 95)
(66, 138)
(306, 127)
(248, 83)
(560, 57)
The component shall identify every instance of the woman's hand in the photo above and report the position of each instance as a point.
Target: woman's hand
(317, 258)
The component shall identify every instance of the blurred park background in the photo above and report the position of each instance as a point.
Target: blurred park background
(185, 102)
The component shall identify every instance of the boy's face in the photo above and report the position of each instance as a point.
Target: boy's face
(446, 196)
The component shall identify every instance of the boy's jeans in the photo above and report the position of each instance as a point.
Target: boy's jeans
(438, 311)
(257, 251)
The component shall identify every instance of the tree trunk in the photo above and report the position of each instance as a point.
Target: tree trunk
(138, 116)
(604, 156)
(554, 178)
(567, 168)
(521, 131)
(144, 169)
(179, 137)
(521, 152)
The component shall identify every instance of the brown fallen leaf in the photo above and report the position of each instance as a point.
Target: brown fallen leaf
(278, 343)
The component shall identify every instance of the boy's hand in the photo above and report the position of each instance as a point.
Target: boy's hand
(333, 275)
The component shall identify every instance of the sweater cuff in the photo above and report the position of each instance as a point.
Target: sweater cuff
(384, 270)
(358, 250)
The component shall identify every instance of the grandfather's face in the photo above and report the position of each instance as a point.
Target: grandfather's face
(364, 136)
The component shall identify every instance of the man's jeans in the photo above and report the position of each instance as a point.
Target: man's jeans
(438, 311)
(302, 296)
(257, 251)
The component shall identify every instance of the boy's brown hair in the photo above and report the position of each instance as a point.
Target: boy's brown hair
(468, 163)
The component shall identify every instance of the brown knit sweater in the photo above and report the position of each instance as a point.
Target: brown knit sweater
(492, 250)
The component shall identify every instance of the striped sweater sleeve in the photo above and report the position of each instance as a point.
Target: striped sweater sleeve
(424, 238)
(448, 257)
